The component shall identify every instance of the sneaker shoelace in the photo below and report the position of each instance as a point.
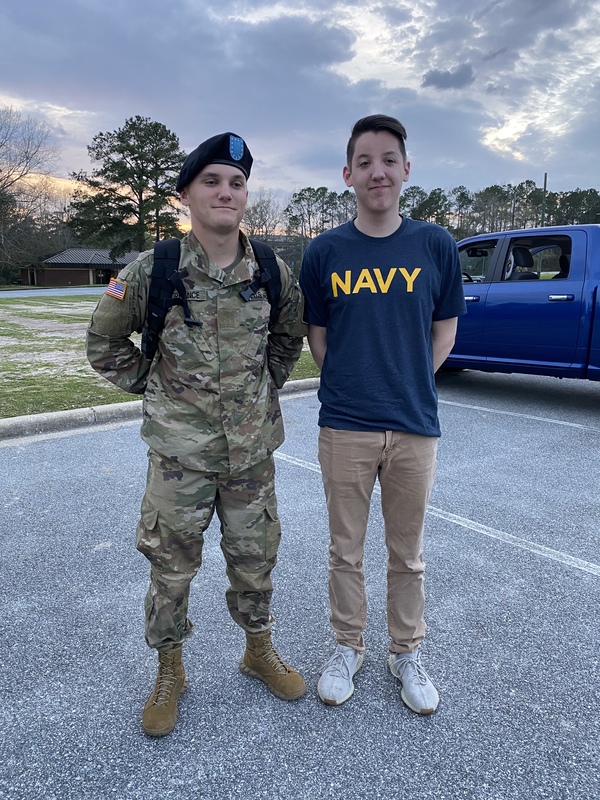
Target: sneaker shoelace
(337, 667)
(418, 672)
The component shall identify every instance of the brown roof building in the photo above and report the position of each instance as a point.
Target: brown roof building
(77, 266)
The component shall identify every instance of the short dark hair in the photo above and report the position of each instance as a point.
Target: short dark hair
(376, 122)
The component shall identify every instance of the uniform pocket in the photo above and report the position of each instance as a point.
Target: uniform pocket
(147, 535)
(149, 514)
(256, 346)
(251, 535)
(272, 529)
(255, 318)
(188, 346)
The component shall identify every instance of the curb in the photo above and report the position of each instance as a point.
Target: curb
(33, 424)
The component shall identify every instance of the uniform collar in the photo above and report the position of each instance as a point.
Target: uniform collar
(244, 270)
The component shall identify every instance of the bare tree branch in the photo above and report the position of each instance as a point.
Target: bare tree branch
(26, 147)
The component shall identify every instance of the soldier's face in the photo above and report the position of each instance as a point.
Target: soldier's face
(216, 198)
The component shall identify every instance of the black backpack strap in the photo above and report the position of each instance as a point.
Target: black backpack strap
(164, 283)
(268, 277)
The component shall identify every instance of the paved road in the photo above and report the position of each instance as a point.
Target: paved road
(513, 560)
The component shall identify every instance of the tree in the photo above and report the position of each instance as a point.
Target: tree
(345, 207)
(309, 212)
(410, 200)
(433, 207)
(8, 238)
(491, 209)
(32, 225)
(263, 215)
(462, 201)
(128, 201)
(26, 148)
(26, 154)
(578, 207)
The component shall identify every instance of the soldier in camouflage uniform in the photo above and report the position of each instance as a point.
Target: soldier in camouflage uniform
(211, 419)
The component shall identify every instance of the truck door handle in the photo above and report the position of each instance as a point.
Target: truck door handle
(472, 298)
(561, 298)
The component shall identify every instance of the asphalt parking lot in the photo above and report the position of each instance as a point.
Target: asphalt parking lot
(513, 576)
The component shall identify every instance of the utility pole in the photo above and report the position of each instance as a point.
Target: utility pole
(544, 200)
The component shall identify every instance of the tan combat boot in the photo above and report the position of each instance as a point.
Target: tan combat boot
(262, 661)
(160, 712)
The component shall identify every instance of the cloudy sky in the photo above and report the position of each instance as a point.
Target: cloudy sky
(490, 91)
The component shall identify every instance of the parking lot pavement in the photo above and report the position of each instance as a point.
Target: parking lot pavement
(513, 575)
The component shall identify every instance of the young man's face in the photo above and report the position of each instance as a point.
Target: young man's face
(377, 172)
(216, 198)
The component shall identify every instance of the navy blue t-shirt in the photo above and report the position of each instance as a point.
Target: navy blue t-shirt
(378, 297)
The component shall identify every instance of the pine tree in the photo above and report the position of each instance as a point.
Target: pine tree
(128, 200)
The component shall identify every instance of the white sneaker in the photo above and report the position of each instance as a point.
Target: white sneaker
(418, 692)
(335, 684)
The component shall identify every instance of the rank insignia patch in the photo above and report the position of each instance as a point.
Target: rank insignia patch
(116, 288)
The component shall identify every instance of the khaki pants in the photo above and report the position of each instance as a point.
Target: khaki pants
(405, 465)
(177, 508)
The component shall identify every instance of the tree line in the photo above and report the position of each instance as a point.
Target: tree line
(463, 212)
(128, 199)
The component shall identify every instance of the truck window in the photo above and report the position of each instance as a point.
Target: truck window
(475, 260)
(538, 258)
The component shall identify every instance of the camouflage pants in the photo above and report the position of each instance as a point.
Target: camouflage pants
(177, 508)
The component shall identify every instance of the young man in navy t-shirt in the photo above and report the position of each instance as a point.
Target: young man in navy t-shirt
(383, 294)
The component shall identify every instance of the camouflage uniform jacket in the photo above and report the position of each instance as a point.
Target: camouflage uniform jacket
(210, 395)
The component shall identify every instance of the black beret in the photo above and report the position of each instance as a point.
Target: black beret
(224, 148)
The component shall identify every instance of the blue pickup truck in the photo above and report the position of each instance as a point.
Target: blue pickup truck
(532, 302)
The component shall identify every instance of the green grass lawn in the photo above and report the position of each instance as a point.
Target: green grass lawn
(42, 357)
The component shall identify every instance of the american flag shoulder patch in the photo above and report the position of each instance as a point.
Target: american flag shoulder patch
(116, 288)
